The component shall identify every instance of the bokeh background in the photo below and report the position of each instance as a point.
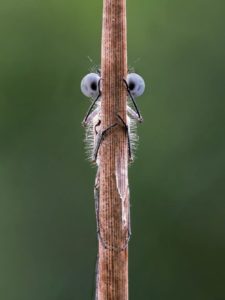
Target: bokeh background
(47, 218)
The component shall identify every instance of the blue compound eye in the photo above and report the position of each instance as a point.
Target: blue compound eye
(135, 84)
(90, 85)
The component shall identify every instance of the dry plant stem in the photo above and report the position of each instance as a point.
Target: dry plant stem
(112, 281)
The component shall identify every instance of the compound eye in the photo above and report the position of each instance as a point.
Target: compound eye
(90, 85)
(135, 84)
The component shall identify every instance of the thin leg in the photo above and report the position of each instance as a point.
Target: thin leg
(91, 116)
(93, 103)
(100, 138)
(132, 113)
(128, 135)
(140, 119)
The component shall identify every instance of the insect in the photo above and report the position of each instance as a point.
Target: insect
(91, 87)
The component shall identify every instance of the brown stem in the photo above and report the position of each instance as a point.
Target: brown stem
(112, 279)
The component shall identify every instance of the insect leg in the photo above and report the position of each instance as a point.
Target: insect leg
(92, 115)
(140, 119)
(100, 138)
(132, 113)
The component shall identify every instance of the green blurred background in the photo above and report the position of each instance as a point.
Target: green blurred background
(47, 219)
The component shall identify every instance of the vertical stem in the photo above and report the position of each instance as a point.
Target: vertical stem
(112, 280)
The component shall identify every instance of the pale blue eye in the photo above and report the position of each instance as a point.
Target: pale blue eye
(135, 84)
(90, 85)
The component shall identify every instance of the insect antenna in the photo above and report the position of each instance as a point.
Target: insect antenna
(95, 68)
